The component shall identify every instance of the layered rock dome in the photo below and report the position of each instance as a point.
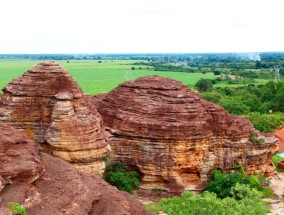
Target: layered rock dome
(156, 125)
(48, 105)
(174, 138)
(47, 185)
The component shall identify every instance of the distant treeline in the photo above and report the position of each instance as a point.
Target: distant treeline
(261, 98)
(196, 59)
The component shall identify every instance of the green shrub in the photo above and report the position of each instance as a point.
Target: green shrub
(266, 122)
(254, 139)
(242, 191)
(118, 176)
(252, 181)
(203, 85)
(260, 140)
(222, 183)
(212, 96)
(16, 208)
(235, 106)
(209, 204)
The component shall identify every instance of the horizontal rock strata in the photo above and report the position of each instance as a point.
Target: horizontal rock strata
(59, 189)
(174, 138)
(48, 105)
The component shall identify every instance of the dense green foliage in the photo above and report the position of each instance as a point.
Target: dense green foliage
(204, 85)
(242, 191)
(209, 204)
(266, 122)
(117, 175)
(16, 208)
(234, 193)
(222, 183)
(251, 98)
(212, 97)
(262, 104)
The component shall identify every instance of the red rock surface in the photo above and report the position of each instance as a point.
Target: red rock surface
(19, 157)
(173, 137)
(59, 189)
(48, 105)
(280, 135)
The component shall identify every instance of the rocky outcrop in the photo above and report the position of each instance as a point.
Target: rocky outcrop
(59, 189)
(19, 157)
(48, 105)
(174, 138)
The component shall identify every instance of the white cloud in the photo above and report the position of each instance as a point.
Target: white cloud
(111, 26)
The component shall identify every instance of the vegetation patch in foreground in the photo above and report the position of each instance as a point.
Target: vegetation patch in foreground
(222, 183)
(209, 204)
(117, 175)
(153, 207)
(16, 208)
(234, 193)
(267, 123)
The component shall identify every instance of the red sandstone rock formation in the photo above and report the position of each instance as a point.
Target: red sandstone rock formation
(48, 105)
(19, 157)
(175, 138)
(59, 189)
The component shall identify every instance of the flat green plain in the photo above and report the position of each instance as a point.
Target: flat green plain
(94, 77)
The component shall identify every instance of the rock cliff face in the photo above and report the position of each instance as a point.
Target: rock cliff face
(174, 138)
(59, 189)
(48, 105)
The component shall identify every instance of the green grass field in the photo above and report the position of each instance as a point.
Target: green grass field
(94, 77)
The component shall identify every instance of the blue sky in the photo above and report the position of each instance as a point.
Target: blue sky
(141, 26)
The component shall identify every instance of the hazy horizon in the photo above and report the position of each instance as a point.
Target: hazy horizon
(145, 53)
(141, 27)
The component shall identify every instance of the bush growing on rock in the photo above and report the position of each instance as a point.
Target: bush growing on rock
(222, 183)
(117, 175)
(253, 138)
(16, 208)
